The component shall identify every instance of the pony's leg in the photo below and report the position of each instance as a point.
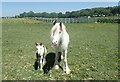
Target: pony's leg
(41, 62)
(43, 59)
(66, 69)
(62, 57)
(56, 60)
(38, 60)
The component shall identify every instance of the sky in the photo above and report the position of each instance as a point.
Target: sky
(60, 0)
(15, 8)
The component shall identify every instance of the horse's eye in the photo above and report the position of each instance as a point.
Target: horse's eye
(59, 32)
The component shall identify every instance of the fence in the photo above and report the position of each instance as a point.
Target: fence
(67, 20)
(84, 19)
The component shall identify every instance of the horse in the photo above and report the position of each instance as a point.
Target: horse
(60, 42)
(40, 54)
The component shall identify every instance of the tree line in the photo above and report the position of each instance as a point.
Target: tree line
(93, 12)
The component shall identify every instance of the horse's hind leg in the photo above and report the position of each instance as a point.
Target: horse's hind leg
(59, 57)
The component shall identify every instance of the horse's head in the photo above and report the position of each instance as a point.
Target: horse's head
(40, 48)
(56, 33)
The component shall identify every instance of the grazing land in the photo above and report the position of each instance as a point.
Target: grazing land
(92, 52)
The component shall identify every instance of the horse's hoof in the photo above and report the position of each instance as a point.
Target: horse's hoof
(56, 67)
(67, 71)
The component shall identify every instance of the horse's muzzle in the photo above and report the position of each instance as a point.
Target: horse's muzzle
(54, 43)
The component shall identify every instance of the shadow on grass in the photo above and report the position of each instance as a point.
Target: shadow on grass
(50, 59)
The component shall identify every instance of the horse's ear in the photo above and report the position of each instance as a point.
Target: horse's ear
(54, 22)
(60, 26)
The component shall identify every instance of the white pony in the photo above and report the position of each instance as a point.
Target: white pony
(60, 41)
(40, 54)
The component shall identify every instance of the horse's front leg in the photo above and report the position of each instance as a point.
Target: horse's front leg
(66, 68)
(41, 62)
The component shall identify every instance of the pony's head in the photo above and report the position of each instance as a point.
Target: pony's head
(40, 48)
(56, 33)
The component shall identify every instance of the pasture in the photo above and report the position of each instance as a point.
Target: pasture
(92, 52)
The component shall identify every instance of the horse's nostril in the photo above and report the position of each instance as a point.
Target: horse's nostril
(54, 43)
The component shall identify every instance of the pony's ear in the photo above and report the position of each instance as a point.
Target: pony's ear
(54, 22)
(36, 44)
(60, 26)
(40, 43)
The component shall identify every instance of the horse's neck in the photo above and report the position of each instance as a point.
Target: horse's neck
(63, 35)
(64, 32)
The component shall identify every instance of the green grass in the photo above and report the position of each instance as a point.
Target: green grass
(92, 52)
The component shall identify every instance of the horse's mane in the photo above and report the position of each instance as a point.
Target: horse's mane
(55, 27)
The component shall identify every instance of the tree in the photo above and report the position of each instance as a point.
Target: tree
(68, 14)
(60, 15)
(74, 14)
(45, 15)
(115, 10)
(100, 11)
(53, 15)
(24, 14)
(30, 14)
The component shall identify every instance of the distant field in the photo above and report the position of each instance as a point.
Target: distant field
(92, 52)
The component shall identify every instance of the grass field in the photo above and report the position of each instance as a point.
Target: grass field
(92, 52)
